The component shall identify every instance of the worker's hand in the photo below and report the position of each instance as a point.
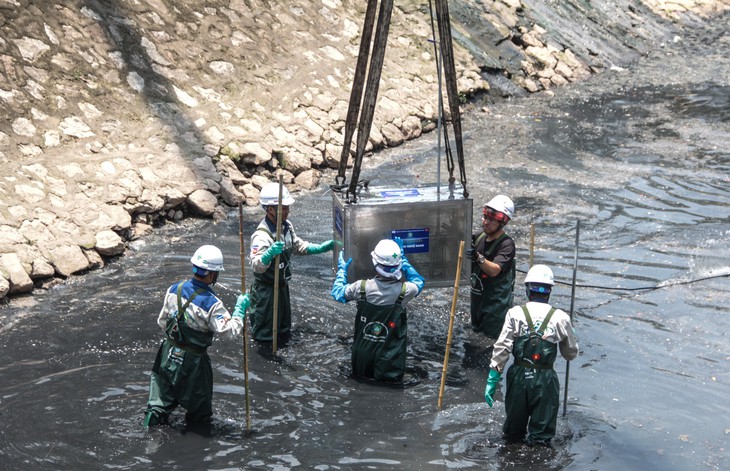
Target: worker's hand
(492, 382)
(341, 263)
(320, 248)
(242, 304)
(340, 284)
(276, 249)
(399, 241)
(472, 254)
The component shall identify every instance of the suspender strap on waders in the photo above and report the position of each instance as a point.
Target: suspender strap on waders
(174, 328)
(537, 336)
(531, 326)
(401, 296)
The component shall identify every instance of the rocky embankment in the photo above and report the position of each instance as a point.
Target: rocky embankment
(117, 116)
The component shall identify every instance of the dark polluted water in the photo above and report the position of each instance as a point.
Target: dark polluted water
(642, 163)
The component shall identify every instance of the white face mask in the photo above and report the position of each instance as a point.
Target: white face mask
(392, 273)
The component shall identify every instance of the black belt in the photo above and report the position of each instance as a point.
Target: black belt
(186, 347)
(531, 365)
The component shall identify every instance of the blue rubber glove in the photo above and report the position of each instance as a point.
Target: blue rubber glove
(242, 303)
(313, 249)
(276, 249)
(412, 275)
(338, 287)
(492, 382)
(399, 241)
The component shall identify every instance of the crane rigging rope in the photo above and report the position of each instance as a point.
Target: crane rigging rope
(447, 53)
(364, 93)
(353, 110)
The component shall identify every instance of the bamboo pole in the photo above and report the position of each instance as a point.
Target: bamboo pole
(245, 325)
(277, 261)
(451, 323)
(572, 302)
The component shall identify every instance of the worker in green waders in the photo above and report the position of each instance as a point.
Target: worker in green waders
(533, 333)
(381, 329)
(264, 250)
(190, 317)
(493, 268)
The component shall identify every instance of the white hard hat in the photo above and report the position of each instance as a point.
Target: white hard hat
(208, 257)
(503, 204)
(387, 253)
(269, 195)
(541, 274)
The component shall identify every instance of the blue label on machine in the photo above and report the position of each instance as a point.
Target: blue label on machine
(414, 240)
(338, 221)
(400, 193)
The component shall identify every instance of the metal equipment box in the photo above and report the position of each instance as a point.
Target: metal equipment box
(431, 223)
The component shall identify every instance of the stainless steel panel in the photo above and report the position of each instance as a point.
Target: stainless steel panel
(431, 225)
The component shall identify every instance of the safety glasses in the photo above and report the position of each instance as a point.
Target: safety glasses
(489, 213)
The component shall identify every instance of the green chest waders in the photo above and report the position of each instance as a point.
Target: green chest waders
(491, 297)
(262, 300)
(182, 373)
(533, 390)
(381, 339)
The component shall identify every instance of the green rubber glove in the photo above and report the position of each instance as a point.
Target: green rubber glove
(242, 304)
(492, 382)
(320, 248)
(276, 249)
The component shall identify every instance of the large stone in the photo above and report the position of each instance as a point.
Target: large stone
(31, 48)
(296, 161)
(229, 193)
(35, 231)
(41, 269)
(308, 180)
(67, 259)
(108, 243)
(9, 236)
(94, 258)
(73, 126)
(20, 282)
(529, 40)
(226, 166)
(120, 218)
(4, 286)
(411, 128)
(173, 197)
(24, 127)
(259, 181)
(543, 56)
(393, 136)
(250, 194)
(202, 202)
(254, 153)
(563, 69)
(333, 155)
(31, 193)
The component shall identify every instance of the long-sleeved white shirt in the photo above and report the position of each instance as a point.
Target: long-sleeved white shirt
(559, 331)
